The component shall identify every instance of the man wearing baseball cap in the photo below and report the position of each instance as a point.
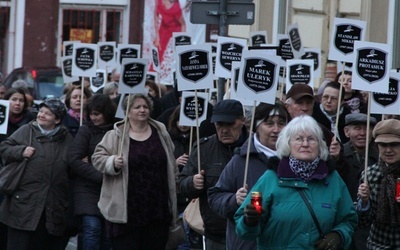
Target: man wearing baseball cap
(215, 152)
(379, 202)
(300, 101)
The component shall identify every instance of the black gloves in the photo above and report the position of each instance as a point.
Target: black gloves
(331, 241)
(251, 216)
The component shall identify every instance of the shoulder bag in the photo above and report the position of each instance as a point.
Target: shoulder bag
(192, 216)
(11, 174)
(316, 222)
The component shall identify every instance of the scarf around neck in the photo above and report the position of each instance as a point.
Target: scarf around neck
(263, 149)
(75, 115)
(303, 170)
(388, 211)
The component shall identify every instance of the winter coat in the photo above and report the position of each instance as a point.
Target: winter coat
(43, 189)
(286, 222)
(214, 157)
(71, 124)
(113, 197)
(88, 180)
(351, 172)
(222, 197)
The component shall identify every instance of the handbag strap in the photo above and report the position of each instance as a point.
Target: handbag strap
(301, 192)
(30, 136)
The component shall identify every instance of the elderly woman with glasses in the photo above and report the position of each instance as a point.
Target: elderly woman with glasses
(304, 202)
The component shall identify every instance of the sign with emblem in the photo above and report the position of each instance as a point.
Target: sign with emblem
(228, 51)
(66, 66)
(258, 76)
(213, 58)
(84, 62)
(315, 55)
(187, 116)
(129, 51)
(4, 115)
(155, 58)
(107, 55)
(285, 52)
(69, 47)
(194, 67)
(295, 40)
(181, 39)
(99, 80)
(387, 103)
(234, 85)
(133, 76)
(258, 38)
(299, 71)
(344, 33)
(371, 66)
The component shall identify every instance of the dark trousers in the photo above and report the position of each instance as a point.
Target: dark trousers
(39, 239)
(151, 237)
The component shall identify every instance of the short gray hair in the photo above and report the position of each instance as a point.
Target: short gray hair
(298, 125)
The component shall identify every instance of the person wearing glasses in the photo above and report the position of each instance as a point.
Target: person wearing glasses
(305, 203)
(379, 200)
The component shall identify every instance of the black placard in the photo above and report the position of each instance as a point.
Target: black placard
(133, 74)
(310, 55)
(189, 108)
(128, 53)
(183, 40)
(236, 81)
(67, 67)
(69, 49)
(300, 73)
(98, 80)
(371, 64)
(345, 36)
(295, 39)
(194, 65)
(285, 50)
(258, 40)
(154, 53)
(106, 53)
(230, 52)
(389, 98)
(3, 112)
(84, 58)
(258, 75)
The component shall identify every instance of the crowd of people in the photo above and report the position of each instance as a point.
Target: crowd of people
(325, 172)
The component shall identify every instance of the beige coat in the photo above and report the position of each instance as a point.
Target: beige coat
(113, 197)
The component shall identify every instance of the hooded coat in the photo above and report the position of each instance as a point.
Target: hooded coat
(43, 189)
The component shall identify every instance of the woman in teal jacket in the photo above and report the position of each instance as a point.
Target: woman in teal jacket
(285, 221)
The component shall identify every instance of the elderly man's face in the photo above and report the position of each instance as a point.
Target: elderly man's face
(358, 135)
(301, 106)
(229, 133)
(389, 152)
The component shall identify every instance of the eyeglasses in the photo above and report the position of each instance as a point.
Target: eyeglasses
(298, 140)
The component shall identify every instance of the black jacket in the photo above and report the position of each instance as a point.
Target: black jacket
(87, 179)
(214, 156)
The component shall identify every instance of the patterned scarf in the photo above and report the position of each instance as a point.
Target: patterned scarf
(75, 115)
(303, 170)
(388, 211)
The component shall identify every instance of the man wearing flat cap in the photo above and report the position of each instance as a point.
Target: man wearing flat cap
(215, 152)
(379, 204)
(354, 154)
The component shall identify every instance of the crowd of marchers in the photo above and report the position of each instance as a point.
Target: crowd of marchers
(325, 172)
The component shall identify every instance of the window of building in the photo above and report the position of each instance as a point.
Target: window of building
(4, 22)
